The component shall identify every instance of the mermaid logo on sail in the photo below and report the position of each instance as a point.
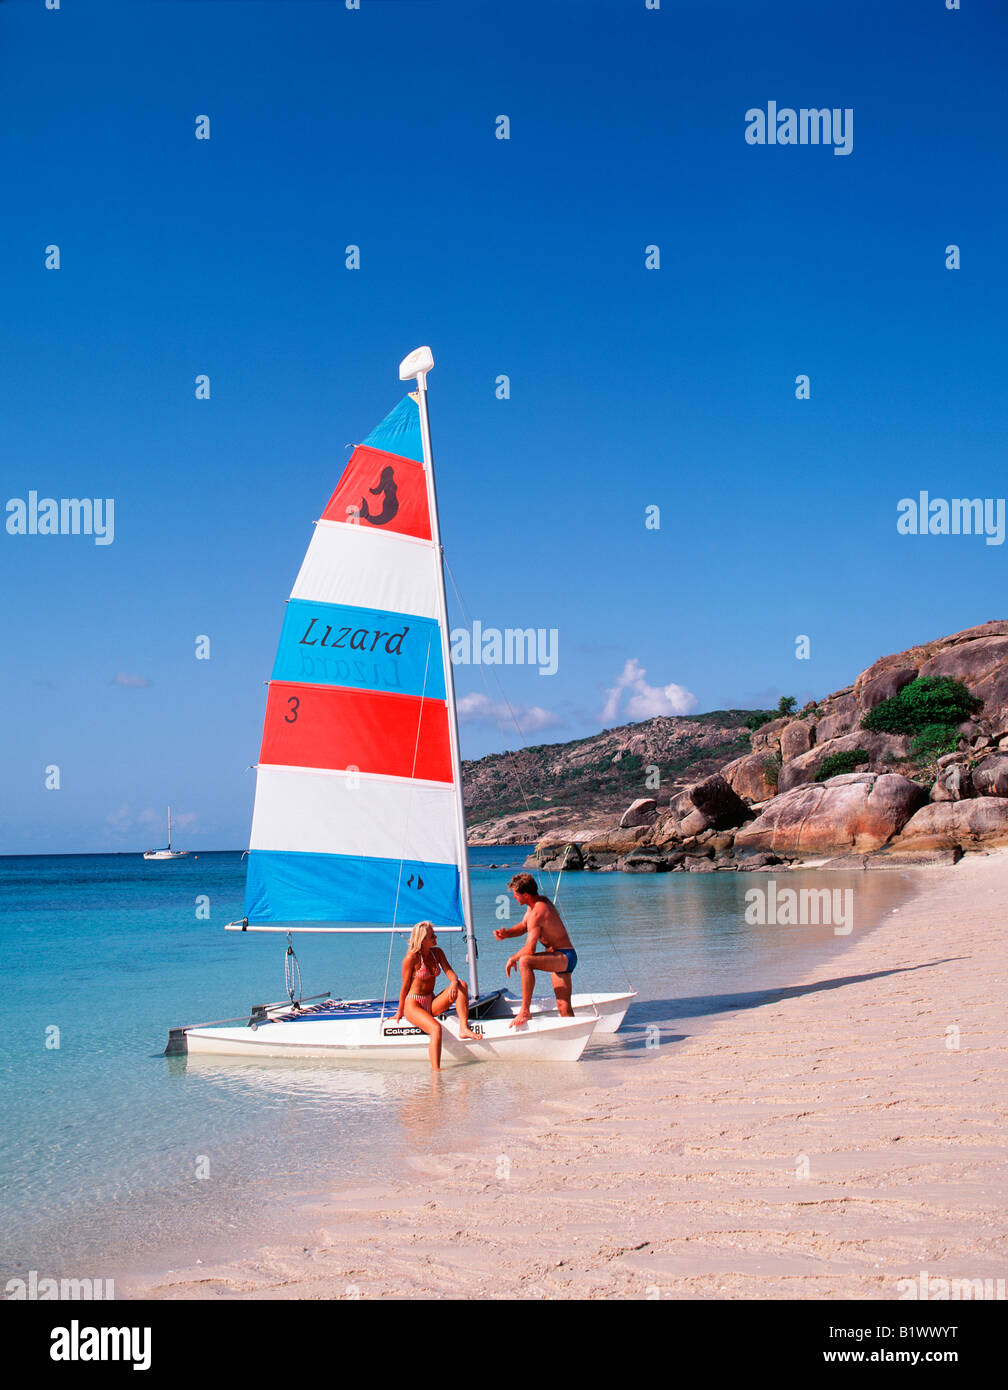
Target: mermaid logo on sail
(390, 506)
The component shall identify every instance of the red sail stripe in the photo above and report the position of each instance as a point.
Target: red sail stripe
(335, 727)
(388, 492)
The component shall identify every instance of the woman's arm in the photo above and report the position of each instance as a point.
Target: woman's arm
(407, 976)
(439, 955)
(453, 979)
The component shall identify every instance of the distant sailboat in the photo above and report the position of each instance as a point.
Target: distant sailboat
(358, 811)
(168, 853)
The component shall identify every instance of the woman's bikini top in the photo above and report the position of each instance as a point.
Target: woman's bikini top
(423, 972)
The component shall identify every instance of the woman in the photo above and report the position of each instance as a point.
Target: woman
(423, 962)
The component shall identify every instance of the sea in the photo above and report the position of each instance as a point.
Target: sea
(114, 1157)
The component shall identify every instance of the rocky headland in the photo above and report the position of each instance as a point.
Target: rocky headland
(908, 765)
(558, 789)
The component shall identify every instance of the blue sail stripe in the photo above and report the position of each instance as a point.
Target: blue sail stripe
(283, 886)
(399, 433)
(363, 648)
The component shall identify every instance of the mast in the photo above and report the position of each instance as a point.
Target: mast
(169, 827)
(417, 365)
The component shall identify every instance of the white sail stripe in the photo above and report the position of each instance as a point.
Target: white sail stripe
(312, 812)
(375, 531)
(364, 568)
(362, 776)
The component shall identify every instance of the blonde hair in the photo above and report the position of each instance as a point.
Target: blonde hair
(417, 936)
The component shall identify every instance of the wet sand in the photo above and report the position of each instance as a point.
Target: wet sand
(838, 1136)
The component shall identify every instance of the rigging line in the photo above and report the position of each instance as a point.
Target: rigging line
(556, 893)
(507, 702)
(605, 927)
(292, 973)
(563, 863)
(409, 808)
(500, 726)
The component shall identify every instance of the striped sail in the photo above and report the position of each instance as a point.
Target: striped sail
(355, 814)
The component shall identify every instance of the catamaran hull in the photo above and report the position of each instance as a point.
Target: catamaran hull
(545, 1038)
(611, 1008)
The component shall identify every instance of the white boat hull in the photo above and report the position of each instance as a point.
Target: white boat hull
(166, 854)
(611, 1008)
(545, 1038)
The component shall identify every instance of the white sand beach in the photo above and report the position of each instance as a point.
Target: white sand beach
(824, 1144)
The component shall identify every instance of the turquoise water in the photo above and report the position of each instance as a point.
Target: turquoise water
(111, 1153)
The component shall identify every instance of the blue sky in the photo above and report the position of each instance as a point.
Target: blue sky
(630, 387)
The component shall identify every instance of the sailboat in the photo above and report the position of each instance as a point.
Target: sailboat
(358, 823)
(168, 853)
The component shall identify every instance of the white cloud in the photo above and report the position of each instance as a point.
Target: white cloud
(156, 816)
(124, 820)
(644, 701)
(120, 819)
(480, 709)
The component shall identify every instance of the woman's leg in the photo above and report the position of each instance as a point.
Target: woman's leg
(420, 1018)
(443, 1002)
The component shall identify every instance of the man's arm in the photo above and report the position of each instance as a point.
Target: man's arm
(532, 934)
(531, 940)
(502, 932)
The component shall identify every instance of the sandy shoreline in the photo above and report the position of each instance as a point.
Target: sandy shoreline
(825, 1144)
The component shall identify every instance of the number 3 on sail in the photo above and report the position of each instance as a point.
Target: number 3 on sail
(358, 813)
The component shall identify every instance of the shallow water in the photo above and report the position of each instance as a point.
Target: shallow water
(112, 1153)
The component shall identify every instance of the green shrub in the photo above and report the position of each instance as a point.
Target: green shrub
(933, 741)
(785, 705)
(841, 762)
(925, 702)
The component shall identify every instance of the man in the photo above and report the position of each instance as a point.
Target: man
(541, 924)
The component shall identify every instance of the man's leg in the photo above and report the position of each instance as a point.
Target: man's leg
(527, 966)
(527, 974)
(562, 990)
